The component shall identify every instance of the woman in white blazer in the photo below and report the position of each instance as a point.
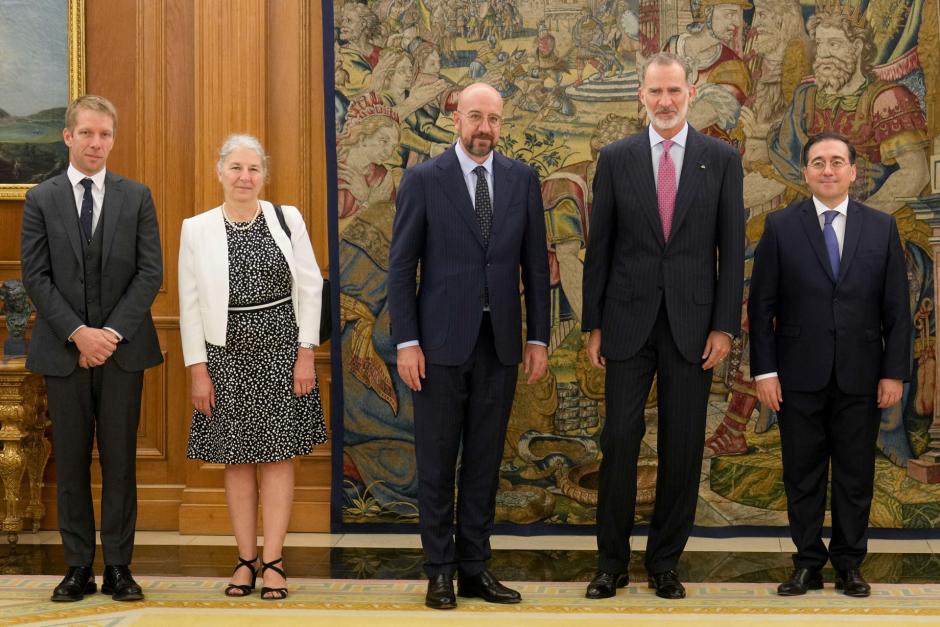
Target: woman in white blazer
(250, 297)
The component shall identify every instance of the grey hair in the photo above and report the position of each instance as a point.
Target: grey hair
(237, 141)
(667, 58)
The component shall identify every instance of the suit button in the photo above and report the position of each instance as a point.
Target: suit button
(835, 301)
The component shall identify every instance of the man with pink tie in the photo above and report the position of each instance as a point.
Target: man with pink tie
(663, 281)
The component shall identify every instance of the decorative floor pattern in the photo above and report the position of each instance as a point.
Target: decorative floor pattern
(185, 600)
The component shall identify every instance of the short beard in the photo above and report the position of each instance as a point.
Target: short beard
(664, 125)
(473, 150)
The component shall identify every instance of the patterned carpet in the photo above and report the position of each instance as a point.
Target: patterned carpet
(183, 601)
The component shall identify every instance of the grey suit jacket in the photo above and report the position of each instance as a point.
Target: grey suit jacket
(131, 273)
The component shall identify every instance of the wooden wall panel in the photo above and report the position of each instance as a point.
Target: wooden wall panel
(183, 74)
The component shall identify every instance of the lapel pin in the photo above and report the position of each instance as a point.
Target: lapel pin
(701, 165)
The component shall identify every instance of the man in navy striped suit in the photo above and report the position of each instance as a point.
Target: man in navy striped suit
(663, 281)
(473, 220)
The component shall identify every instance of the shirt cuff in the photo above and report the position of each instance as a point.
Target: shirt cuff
(116, 334)
(537, 343)
(408, 344)
(77, 329)
(766, 375)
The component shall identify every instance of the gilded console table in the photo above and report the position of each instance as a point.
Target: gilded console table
(25, 448)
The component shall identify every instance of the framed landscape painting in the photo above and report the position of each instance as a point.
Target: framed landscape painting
(42, 46)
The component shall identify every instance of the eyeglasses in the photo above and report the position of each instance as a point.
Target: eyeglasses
(836, 164)
(476, 118)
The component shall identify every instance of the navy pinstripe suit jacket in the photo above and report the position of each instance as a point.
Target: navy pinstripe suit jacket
(436, 227)
(629, 268)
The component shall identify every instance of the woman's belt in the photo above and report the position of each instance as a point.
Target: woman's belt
(273, 303)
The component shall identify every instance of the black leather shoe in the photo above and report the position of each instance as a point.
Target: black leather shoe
(800, 581)
(440, 594)
(604, 585)
(851, 583)
(119, 583)
(79, 581)
(487, 587)
(667, 585)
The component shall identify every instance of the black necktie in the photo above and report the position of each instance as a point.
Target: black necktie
(484, 209)
(483, 205)
(88, 204)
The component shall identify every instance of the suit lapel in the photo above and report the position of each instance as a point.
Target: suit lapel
(65, 204)
(688, 179)
(455, 187)
(110, 212)
(644, 181)
(810, 222)
(502, 176)
(853, 232)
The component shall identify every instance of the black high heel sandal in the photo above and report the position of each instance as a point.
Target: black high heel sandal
(243, 589)
(280, 593)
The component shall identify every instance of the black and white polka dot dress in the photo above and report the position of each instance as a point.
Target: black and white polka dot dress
(257, 418)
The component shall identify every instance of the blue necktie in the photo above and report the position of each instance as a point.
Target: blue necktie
(88, 204)
(832, 243)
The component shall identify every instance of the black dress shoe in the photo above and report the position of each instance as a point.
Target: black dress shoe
(119, 583)
(851, 583)
(604, 585)
(79, 581)
(487, 587)
(800, 581)
(667, 585)
(440, 594)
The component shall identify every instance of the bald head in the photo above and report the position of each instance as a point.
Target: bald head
(475, 90)
(478, 119)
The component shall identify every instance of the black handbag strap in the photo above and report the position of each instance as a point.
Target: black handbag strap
(280, 218)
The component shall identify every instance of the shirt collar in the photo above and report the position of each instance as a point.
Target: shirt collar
(97, 179)
(679, 138)
(842, 207)
(467, 164)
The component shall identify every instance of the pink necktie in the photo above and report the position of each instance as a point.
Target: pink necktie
(667, 188)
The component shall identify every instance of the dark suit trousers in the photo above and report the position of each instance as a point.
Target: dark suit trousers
(814, 428)
(682, 393)
(466, 405)
(105, 400)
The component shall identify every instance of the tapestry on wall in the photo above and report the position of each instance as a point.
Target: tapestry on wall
(769, 73)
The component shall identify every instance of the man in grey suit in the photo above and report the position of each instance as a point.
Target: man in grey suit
(90, 252)
(663, 281)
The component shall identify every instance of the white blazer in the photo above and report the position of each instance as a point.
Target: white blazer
(203, 278)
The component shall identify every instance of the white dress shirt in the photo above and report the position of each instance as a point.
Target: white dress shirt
(97, 192)
(677, 151)
(838, 225)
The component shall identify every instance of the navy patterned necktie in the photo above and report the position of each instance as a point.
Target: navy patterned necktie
(88, 204)
(483, 205)
(832, 242)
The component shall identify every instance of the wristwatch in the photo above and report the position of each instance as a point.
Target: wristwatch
(306, 345)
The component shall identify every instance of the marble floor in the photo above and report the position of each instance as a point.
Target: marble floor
(515, 558)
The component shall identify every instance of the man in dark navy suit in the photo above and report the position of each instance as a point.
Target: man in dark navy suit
(830, 346)
(663, 281)
(473, 220)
